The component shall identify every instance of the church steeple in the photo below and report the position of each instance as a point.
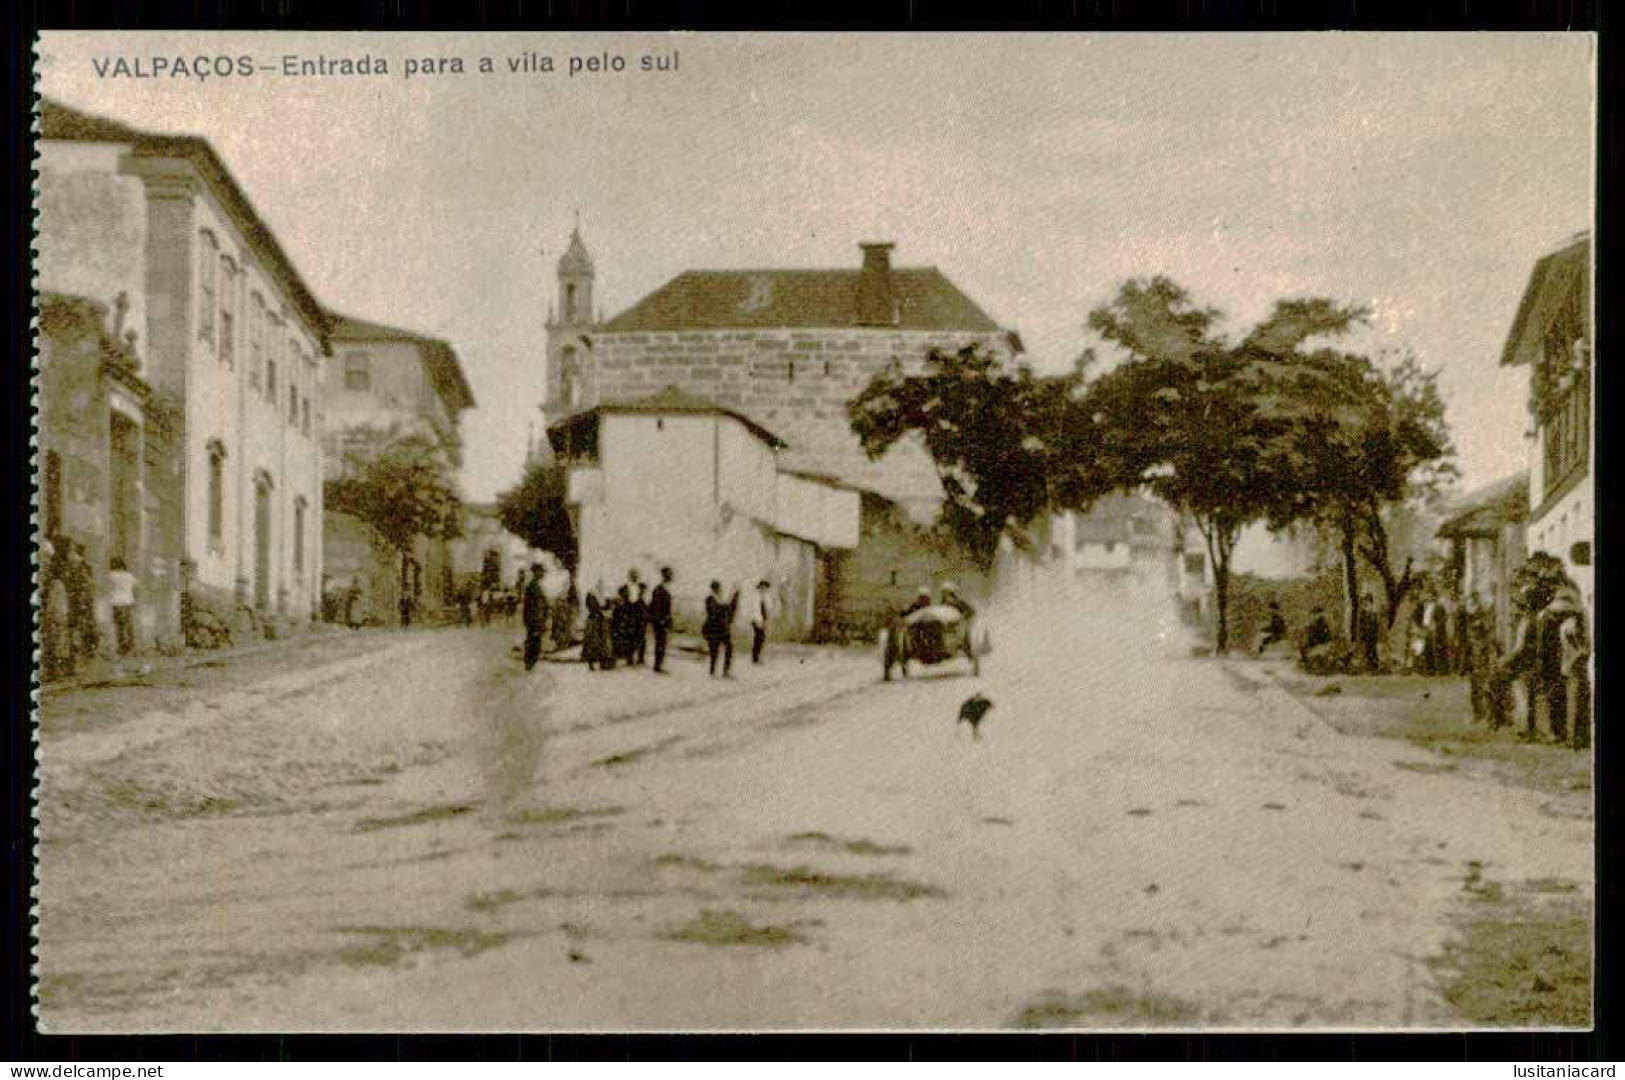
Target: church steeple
(575, 282)
(570, 327)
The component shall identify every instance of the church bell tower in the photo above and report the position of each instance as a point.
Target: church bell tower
(570, 327)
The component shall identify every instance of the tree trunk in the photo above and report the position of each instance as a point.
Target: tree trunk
(1395, 587)
(1220, 546)
(1221, 603)
(1351, 582)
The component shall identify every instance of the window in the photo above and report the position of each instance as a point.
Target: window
(1564, 395)
(299, 536)
(304, 415)
(357, 371)
(208, 265)
(570, 389)
(256, 338)
(270, 381)
(217, 492)
(569, 303)
(228, 318)
(293, 405)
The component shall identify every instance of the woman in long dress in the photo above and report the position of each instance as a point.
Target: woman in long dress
(595, 642)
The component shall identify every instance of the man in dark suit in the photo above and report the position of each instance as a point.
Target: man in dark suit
(535, 616)
(660, 617)
(718, 628)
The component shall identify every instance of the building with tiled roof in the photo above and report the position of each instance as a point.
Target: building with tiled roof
(783, 351)
(155, 228)
(1487, 534)
(1551, 335)
(384, 382)
(916, 300)
(787, 349)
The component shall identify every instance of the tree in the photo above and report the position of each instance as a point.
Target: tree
(1007, 445)
(1365, 446)
(1198, 420)
(535, 511)
(403, 490)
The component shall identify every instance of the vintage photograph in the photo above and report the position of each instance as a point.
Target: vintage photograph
(813, 532)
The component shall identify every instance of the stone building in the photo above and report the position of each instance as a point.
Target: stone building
(108, 470)
(1551, 335)
(230, 339)
(382, 383)
(787, 350)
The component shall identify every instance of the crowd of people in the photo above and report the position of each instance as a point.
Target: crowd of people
(1541, 673)
(618, 626)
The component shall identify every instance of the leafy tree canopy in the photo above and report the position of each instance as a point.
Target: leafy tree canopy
(1008, 445)
(403, 489)
(535, 511)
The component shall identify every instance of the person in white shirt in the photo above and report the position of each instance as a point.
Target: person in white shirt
(121, 596)
(758, 621)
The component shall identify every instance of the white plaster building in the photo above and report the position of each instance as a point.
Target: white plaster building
(383, 383)
(231, 341)
(1551, 335)
(676, 480)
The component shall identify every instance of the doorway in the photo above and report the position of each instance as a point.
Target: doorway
(124, 509)
(262, 542)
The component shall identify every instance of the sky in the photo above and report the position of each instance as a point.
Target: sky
(1421, 175)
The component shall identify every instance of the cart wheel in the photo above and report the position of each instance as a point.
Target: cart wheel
(975, 662)
(885, 654)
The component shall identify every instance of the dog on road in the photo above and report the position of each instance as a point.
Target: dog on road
(972, 712)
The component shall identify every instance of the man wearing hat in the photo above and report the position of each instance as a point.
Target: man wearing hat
(758, 621)
(951, 597)
(922, 600)
(534, 609)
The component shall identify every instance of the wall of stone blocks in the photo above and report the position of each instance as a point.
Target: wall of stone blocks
(74, 421)
(863, 588)
(795, 383)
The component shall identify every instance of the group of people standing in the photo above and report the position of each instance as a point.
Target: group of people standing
(1549, 658)
(720, 616)
(69, 633)
(619, 625)
(1542, 673)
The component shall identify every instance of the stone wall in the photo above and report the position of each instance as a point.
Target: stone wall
(79, 386)
(861, 589)
(795, 383)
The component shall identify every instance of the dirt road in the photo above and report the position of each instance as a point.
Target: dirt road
(420, 837)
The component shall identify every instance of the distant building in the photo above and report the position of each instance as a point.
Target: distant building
(382, 383)
(1486, 533)
(1277, 555)
(787, 350)
(485, 542)
(1551, 335)
(674, 479)
(229, 339)
(1127, 543)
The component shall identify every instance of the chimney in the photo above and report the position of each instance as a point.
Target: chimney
(877, 301)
